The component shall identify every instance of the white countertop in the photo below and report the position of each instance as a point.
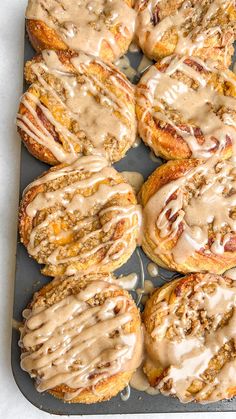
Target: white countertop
(12, 402)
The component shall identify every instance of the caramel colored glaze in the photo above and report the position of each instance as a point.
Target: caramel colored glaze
(189, 215)
(82, 338)
(190, 332)
(101, 28)
(76, 105)
(202, 28)
(187, 108)
(80, 218)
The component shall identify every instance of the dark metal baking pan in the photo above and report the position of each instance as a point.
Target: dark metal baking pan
(29, 279)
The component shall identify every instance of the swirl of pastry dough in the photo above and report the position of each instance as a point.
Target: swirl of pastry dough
(187, 108)
(202, 28)
(103, 28)
(81, 339)
(75, 105)
(80, 218)
(190, 215)
(190, 335)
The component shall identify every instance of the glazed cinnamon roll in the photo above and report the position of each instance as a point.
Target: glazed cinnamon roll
(103, 28)
(75, 105)
(80, 218)
(189, 210)
(202, 28)
(187, 108)
(190, 331)
(81, 339)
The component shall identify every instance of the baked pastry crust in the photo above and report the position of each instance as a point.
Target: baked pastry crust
(103, 29)
(104, 291)
(190, 338)
(80, 218)
(75, 105)
(187, 108)
(202, 28)
(189, 216)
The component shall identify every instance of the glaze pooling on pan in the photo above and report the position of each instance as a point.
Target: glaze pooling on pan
(79, 344)
(193, 102)
(190, 338)
(84, 25)
(82, 215)
(185, 27)
(72, 112)
(194, 215)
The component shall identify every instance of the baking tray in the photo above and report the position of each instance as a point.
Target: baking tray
(28, 279)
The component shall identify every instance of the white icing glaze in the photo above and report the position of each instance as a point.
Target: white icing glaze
(128, 282)
(125, 67)
(16, 324)
(135, 179)
(72, 343)
(152, 269)
(137, 142)
(154, 158)
(102, 122)
(133, 48)
(125, 394)
(140, 382)
(212, 203)
(85, 25)
(193, 22)
(144, 64)
(145, 291)
(199, 110)
(185, 355)
(71, 201)
(231, 273)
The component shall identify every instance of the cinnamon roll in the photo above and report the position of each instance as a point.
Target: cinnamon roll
(190, 332)
(81, 339)
(187, 108)
(189, 211)
(76, 104)
(80, 218)
(202, 28)
(103, 28)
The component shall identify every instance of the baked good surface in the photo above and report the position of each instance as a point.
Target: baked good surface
(103, 28)
(204, 28)
(190, 327)
(187, 108)
(189, 215)
(76, 104)
(81, 339)
(80, 218)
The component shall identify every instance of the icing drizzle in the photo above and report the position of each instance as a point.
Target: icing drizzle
(192, 21)
(200, 115)
(183, 347)
(78, 224)
(169, 215)
(76, 343)
(85, 25)
(85, 116)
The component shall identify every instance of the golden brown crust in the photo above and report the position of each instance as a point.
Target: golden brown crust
(163, 137)
(43, 37)
(202, 260)
(72, 246)
(62, 287)
(59, 145)
(217, 46)
(181, 296)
